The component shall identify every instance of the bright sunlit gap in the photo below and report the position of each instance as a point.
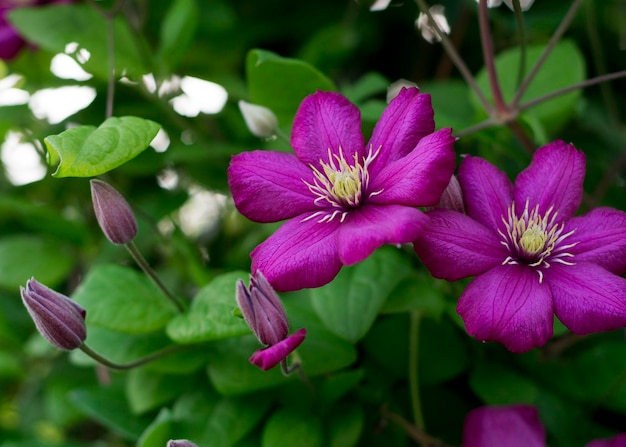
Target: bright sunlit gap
(57, 104)
(21, 160)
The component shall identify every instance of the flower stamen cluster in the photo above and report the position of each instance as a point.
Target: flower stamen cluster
(341, 185)
(535, 239)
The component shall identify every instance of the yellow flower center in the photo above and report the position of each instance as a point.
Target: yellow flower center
(340, 186)
(535, 239)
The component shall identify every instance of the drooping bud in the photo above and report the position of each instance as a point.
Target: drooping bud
(58, 319)
(113, 213)
(271, 356)
(262, 309)
(428, 31)
(452, 197)
(180, 443)
(260, 120)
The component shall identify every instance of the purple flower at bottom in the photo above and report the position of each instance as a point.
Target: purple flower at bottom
(531, 257)
(510, 426)
(514, 426)
(10, 40)
(344, 199)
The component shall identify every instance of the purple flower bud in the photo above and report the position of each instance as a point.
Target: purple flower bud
(271, 356)
(262, 309)
(58, 319)
(452, 197)
(180, 443)
(113, 213)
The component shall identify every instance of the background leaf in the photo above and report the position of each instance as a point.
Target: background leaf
(86, 151)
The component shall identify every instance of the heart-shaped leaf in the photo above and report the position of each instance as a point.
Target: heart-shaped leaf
(87, 151)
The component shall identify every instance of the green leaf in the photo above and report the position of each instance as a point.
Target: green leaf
(496, 384)
(108, 406)
(48, 27)
(419, 291)
(123, 300)
(158, 432)
(147, 390)
(23, 257)
(349, 305)
(208, 419)
(210, 316)
(289, 426)
(370, 84)
(563, 68)
(346, 426)
(87, 151)
(177, 30)
(281, 84)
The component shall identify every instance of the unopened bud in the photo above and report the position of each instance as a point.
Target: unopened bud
(180, 443)
(272, 355)
(262, 309)
(260, 120)
(429, 32)
(113, 213)
(452, 197)
(58, 319)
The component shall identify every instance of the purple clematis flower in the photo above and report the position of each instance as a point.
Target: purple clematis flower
(10, 41)
(344, 198)
(531, 258)
(514, 426)
(510, 426)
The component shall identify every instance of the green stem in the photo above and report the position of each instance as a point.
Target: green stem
(455, 57)
(489, 122)
(296, 367)
(283, 136)
(414, 386)
(546, 52)
(142, 361)
(584, 84)
(488, 56)
(519, 19)
(143, 264)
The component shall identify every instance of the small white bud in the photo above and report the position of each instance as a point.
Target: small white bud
(524, 4)
(396, 87)
(428, 32)
(492, 3)
(380, 5)
(260, 120)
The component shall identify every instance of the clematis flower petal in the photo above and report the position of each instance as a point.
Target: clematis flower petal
(601, 236)
(271, 356)
(255, 176)
(509, 305)
(587, 298)
(299, 254)
(420, 178)
(617, 441)
(510, 426)
(368, 228)
(407, 119)
(487, 191)
(10, 41)
(553, 178)
(326, 120)
(454, 246)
